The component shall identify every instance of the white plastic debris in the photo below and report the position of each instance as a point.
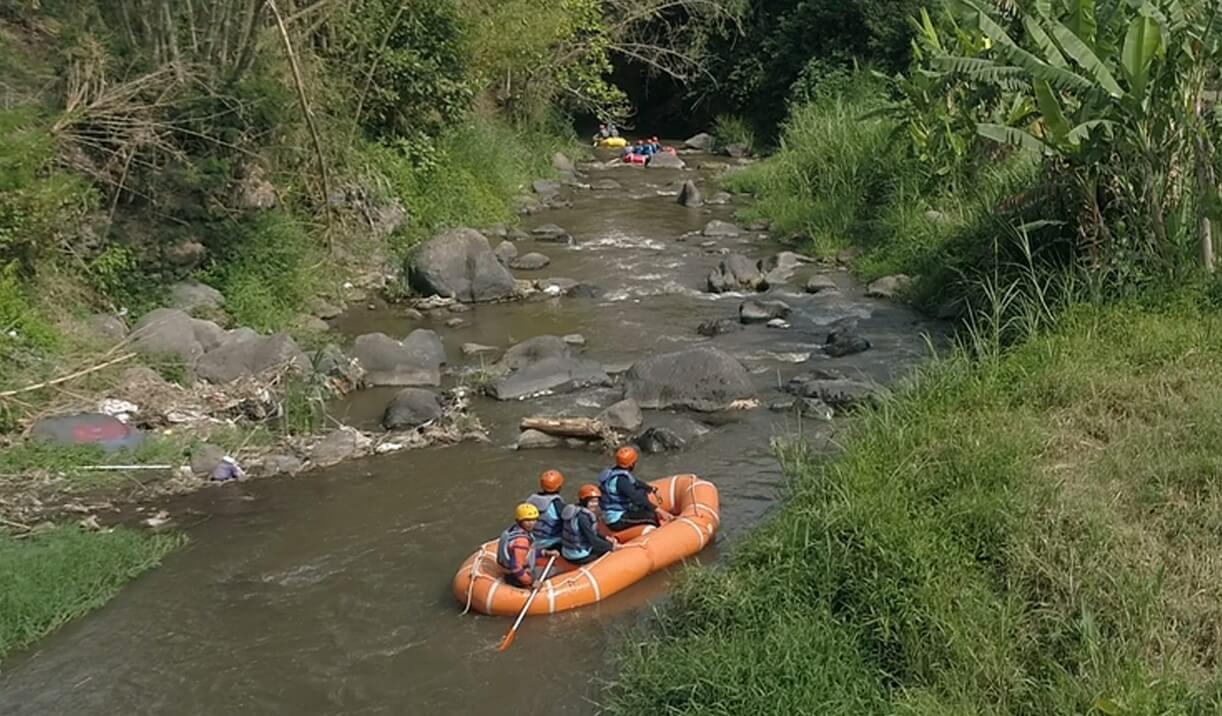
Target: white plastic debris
(119, 409)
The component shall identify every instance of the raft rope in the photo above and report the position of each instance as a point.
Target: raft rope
(471, 582)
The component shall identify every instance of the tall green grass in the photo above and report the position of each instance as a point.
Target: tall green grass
(1033, 532)
(51, 578)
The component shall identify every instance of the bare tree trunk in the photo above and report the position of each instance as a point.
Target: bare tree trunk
(566, 427)
(309, 115)
(1206, 186)
(250, 38)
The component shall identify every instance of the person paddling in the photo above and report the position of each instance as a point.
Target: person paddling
(581, 542)
(625, 500)
(550, 504)
(516, 551)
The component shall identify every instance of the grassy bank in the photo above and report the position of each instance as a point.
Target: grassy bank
(53, 577)
(1030, 534)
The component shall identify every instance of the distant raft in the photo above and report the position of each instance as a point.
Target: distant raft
(695, 503)
(612, 142)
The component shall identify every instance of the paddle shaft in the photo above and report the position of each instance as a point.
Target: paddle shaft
(530, 600)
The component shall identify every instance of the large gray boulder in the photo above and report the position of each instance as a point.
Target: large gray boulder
(820, 283)
(171, 332)
(837, 392)
(537, 439)
(689, 195)
(544, 364)
(701, 142)
(251, 356)
(843, 340)
(106, 327)
(624, 416)
(389, 362)
(426, 343)
(191, 296)
(551, 375)
(736, 272)
(889, 286)
(665, 160)
(460, 264)
(411, 408)
(718, 326)
(532, 261)
(778, 268)
(551, 234)
(337, 446)
(506, 251)
(703, 378)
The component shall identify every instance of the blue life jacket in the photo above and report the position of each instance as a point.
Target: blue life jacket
(505, 559)
(573, 543)
(547, 531)
(613, 504)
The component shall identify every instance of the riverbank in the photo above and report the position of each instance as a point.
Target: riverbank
(57, 574)
(1032, 533)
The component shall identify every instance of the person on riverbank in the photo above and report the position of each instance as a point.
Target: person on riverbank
(516, 551)
(550, 504)
(581, 541)
(626, 501)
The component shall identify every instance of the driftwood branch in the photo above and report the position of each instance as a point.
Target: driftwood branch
(66, 378)
(566, 427)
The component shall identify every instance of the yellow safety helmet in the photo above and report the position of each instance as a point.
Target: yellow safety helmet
(525, 511)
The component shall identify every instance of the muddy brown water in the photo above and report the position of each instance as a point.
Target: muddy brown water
(330, 593)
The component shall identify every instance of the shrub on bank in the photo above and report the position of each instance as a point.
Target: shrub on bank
(1028, 534)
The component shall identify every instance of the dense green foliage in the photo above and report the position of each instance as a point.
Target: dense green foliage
(55, 576)
(1030, 534)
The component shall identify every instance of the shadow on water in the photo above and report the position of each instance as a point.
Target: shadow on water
(330, 593)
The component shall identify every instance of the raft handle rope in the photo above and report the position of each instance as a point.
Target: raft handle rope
(471, 582)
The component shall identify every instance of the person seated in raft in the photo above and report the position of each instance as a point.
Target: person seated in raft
(625, 500)
(603, 133)
(550, 504)
(516, 551)
(581, 543)
(655, 145)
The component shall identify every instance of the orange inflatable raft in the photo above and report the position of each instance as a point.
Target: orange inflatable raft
(479, 583)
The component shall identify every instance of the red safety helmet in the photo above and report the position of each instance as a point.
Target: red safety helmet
(587, 491)
(551, 481)
(625, 457)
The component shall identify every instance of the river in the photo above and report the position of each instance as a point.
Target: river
(330, 592)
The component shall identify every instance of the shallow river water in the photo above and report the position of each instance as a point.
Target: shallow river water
(330, 593)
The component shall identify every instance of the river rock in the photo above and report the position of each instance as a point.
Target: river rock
(753, 311)
(606, 185)
(624, 416)
(251, 356)
(718, 326)
(558, 374)
(106, 327)
(474, 349)
(820, 283)
(562, 163)
(460, 264)
(535, 439)
(186, 254)
(557, 286)
(411, 408)
(702, 142)
(337, 446)
(888, 286)
(760, 225)
(720, 198)
(845, 341)
(575, 339)
(702, 378)
(426, 343)
(779, 267)
(736, 150)
(532, 261)
(506, 252)
(192, 296)
(171, 332)
(533, 350)
(455, 323)
(720, 229)
(545, 186)
(846, 256)
(665, 160)
(734, 273)
(836, 392)
(388, 362)
(689, 195)
(551, 234)
(657, 440)
(281, 464)
(586, 290)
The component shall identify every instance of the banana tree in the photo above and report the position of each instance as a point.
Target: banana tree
(1117, 87)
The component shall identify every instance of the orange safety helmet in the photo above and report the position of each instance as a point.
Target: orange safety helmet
(588, 491)
(625, 457)
(551, 481)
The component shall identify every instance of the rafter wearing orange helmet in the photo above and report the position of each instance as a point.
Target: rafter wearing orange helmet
(625, 500)
(550, 505)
